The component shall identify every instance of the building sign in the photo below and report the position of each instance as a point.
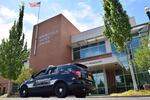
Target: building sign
(100, 61)
(93, 62)
(46, 38)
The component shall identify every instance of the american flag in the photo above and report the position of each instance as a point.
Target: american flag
(35, 4)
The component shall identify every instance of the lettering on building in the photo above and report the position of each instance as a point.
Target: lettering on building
(93, 62)
(46, 38)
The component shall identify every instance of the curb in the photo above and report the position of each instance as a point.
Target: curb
(116, 96)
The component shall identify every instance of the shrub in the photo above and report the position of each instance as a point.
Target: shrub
(133, 93)
(25, 74)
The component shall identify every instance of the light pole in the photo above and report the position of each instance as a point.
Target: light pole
(147, 11)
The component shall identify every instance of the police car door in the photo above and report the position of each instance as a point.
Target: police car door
(52, 72)
(41, 82)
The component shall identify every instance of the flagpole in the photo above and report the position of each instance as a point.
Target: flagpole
(36, 31)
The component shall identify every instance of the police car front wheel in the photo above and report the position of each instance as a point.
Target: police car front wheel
(23, 92)
(60, 90)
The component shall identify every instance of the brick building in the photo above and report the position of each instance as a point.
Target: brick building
(57, 41)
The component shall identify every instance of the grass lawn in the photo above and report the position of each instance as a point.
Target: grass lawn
(133, 93)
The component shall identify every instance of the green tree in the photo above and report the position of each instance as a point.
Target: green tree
(25, 74)
(117, 29)
(13, 51)
(142, 56)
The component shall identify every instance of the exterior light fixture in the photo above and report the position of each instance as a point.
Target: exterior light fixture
(147, 11)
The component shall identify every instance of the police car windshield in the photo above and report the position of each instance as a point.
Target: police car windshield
(42, 72)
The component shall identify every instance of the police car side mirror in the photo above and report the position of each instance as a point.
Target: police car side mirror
(32, 76)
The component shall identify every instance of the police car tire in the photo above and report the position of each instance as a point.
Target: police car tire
(60, 86)
(21, 92)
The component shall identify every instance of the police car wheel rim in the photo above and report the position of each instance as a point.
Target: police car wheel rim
(60, 90)
(24, 92)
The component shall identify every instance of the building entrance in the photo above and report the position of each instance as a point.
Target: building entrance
(99, 82)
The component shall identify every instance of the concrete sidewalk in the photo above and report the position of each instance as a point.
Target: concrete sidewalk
(73, 98)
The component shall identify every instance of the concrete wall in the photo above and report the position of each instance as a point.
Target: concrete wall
(95, 32)
(87, 34)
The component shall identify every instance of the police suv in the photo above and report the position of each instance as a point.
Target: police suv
(60, 81)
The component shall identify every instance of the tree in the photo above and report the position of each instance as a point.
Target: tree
(25, 74)
(117, 29)
(142, 56)
(13, 51)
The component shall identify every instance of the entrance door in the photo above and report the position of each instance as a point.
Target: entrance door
(99, 82)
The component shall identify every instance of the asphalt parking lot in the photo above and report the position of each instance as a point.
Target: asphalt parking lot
(88, 98)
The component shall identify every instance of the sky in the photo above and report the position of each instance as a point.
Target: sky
(84, 14)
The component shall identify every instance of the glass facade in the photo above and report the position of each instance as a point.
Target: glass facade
(135, 43)
(89, 50)
(123, 79)
(99, 82)
(122, 76)
(121, 56)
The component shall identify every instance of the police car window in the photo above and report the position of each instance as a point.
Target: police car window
(69, 69)
(65, 69)
(56, 71)
(74, 67)
(52, 71)
(40, 73)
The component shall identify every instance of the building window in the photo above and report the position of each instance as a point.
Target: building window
(99, 82)
(76, 53)
(89, 50)
(123, 81)
(122, 56)
(135, 42)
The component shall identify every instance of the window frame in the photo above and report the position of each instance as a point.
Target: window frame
(98, 46)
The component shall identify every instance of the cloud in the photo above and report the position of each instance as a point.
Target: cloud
(1, 21)
(55, 7)
(89, 19)
(7, 17)
(83, 17)
(4, 32)
(73, 20)
(7, 13)
(30, 18)
(28, 36)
